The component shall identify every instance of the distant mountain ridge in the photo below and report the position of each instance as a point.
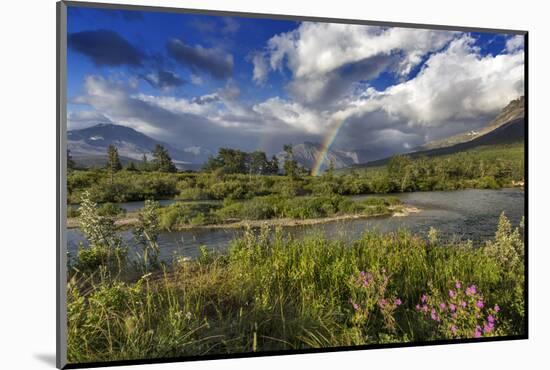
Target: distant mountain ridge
(88, 146)
(306, 155)
(514, 110)
(508, 127)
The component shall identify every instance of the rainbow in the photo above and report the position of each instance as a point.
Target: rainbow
(328, 140)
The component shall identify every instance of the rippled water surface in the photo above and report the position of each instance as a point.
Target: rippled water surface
(466, 214)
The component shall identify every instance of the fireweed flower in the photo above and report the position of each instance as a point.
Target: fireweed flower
(452, 293)
(477, 332)
(354, 305)
(423, 298)
(487, 328)
(491, 319)
(453, 329)
(479, 304)
(496, 308)
(452, 307)
(471, 290)
(458, 285)
(463, 303)
(442, 305)
(398, 302)
(382, 303)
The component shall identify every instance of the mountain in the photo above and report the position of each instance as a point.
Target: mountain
(88, 147)
(514, 110)
(306, 155)
(508, 127)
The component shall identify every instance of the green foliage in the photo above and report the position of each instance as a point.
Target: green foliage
(110, 209)
(146, 232)
(273, 292)
(99, 230)
(161, 160)
(485, 168)
(458, 312)
(233, 161)
(290, 166)
(72, 212)
(113, 161)
(186, 214)
(131, 167)
(105, 247)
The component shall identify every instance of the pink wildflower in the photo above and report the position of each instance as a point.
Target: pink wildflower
(477, 332)
(434, 315)
(487, 328)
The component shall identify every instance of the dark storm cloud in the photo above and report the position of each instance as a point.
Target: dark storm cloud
(162, 79)
(105, 48)
(329, 88)
(206, 99)
(211, 61)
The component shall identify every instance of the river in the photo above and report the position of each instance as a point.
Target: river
(465, 214)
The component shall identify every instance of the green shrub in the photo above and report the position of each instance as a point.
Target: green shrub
(72, 211)
(110, 209)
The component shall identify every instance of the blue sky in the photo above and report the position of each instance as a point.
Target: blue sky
(197, 80)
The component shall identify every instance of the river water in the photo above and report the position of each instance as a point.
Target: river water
(464, 214)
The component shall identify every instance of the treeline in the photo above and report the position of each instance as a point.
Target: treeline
(161, 161)
(234, 161)
(234, 175)
(231, 161)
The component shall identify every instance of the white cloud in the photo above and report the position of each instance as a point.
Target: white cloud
(195, 80)
(261, 68)
(458, 88)
(514, 43)
(82, 119)
(318, 48)
(230, 25)
(317, 54)
(292, 114)
(456, 84)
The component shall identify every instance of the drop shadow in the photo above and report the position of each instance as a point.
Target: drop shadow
(47, 358)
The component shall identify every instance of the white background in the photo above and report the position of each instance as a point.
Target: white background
(27, 203)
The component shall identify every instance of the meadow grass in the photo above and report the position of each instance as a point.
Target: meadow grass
(274, 292)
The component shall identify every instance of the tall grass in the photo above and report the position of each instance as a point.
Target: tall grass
(273, 292)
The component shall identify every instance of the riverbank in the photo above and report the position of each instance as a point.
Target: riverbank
(129, 220)
(282, 293)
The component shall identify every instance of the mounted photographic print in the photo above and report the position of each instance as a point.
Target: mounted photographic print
(235, 184)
